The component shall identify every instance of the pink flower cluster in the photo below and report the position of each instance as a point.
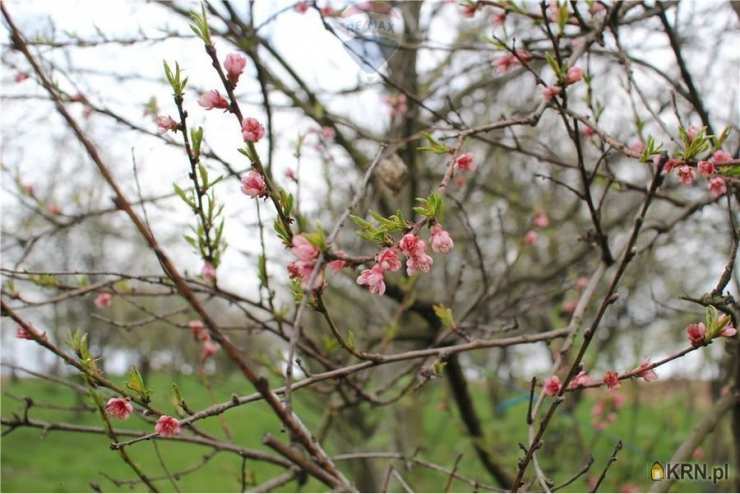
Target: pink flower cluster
(208, 272)
(465, 162)
(302, 7)
(167, 426)
(213, 99)
(573, 75)
(252, 130)
(119, 408)
(397, 105)
(697, 333)
(166, 123)
(301, 269)
(253, 184)
(469, 9)
(23, 334)
(374, 278)
(646, 372)
(103, 300)
(417, 259)
(604, 411)
(208, 347)
(706, 168)
(611, 379)
(508, 61)
(580, 380)
(552, 386)
(234, 65)
(539, 220)
(549, 92)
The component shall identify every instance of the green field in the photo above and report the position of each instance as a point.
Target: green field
(68, 462)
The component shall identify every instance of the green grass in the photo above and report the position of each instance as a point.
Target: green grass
(33, 461)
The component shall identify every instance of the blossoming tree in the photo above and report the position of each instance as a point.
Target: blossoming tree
(518, 194)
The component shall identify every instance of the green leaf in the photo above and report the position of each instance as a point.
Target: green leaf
(196, 136)
(445, 316)
(262, 270)
(136, 384)
(434, 146)
(200, 25)
(554, 65)
(730, 171)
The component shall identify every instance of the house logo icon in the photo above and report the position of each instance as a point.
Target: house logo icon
(657, 472)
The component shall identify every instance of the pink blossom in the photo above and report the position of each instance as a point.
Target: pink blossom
(388, 259)
(167, 426)
(252, 130)
(119, 408)
(337, 265)
(686, 175)
(728, 331)
(717, 186)
(253, 184)
(302, 270)
(498, 19)
(212, 99)
(23, 334)
(646, 372)
(397, 104)
(581, 379)
(549, 92)
(409, 244)
(637, 147)
(465, 162)
(669, 164)
(234, 65)
(706, 168)
(328, 11)
(505, 62)
(696, 333)
(54, 209)
(103, 300)
(569, 306)
(588, 132)
(441, 240)
(574, 75)
(552, 386)
(469, 9)
(208, 272)
(199, 330)
(721, 156)
(581, 282)
(540, 219)
(611, 379)
(208, 350)
(328, 133)
(523, 55)
(692, 132)
(165, 123)
(698, 454)
(373, 278)
(21, 76)
(290, 174)
(419, 263)
(531, 237)
(301, 7)
(303, 249)
(28, 189)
